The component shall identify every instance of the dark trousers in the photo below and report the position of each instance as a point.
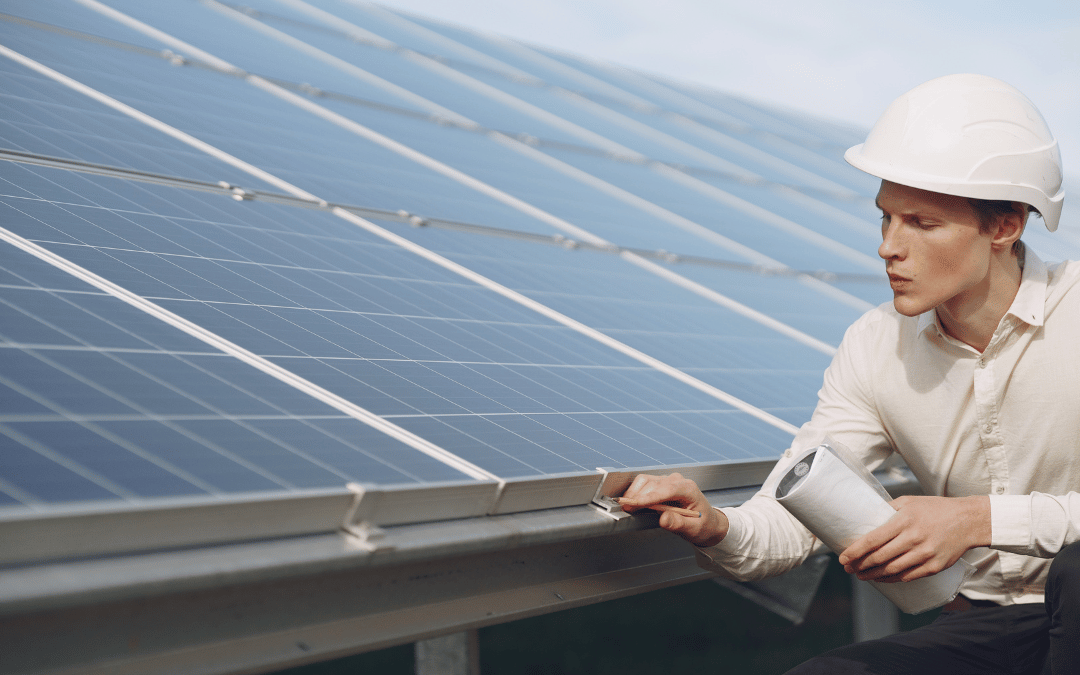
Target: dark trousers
(1015, 639)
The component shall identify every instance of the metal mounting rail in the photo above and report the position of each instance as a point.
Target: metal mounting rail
(240, 193)
(253, 606)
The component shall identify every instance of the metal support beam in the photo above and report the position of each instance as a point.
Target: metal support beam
(263, 605)
(454, 654)
(272, 624)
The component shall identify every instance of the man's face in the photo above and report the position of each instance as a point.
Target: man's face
(934, 253)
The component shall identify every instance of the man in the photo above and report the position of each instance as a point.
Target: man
(971, 375)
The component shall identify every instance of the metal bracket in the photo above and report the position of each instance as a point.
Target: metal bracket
(366, 535)
(238, 193)
(606, 504)
(610, 507)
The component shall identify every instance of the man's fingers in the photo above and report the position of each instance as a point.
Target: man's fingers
(882, 555)
(673, 521)
(671, 508)
(900, 571)
(682, 506)
(646, 490)
(870, 542)
(912, 563)
(890, 568)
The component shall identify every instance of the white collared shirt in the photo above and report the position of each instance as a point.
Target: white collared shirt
(1004, 423)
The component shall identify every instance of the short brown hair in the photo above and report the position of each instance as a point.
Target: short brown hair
(986, 210)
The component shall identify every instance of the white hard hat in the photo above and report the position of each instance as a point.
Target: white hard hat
(970, 136)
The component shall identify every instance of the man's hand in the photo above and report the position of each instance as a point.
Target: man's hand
(652, 491)
(926, 536)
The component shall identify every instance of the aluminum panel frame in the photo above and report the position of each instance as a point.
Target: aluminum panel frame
(400, 504)
(717, 476)
(108, 529)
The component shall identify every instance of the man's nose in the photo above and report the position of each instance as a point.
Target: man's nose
(891, 243)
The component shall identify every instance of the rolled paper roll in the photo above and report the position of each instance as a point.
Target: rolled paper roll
(838, 505)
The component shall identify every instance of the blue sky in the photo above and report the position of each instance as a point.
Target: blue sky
(841, 59)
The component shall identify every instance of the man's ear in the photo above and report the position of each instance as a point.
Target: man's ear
(1009, 226)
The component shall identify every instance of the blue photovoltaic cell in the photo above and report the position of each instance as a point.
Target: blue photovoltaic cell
(109, 403)
(498, 64)
(38, 115)
(101, 401)
(554, 192)
(518, 175)
(729, 351)
(399, 336)
(260, 128)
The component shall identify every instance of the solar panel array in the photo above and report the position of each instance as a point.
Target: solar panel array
(290, 246)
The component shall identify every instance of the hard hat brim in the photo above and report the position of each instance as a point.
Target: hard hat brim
(1048, 207)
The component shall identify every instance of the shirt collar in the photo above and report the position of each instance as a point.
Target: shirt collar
(1029, 305)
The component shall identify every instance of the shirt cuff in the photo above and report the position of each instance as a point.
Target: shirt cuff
(729, 545)
(1010, 522)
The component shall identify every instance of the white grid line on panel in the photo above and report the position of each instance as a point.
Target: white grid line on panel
(17, 493)
(70, 465)
(580, 327)
(153, 122)
(510, 364)
(378, 231)
(704, 411)
(629, 100)
(368, 314)
(601, 91)
(341, 64)
(510, 200)
(158, 417)
(113, 350)
(670, 172)
(166, 420)
(326, 360)
(704, 117)
(611, 116)
(327, 309)
(680, 455)
(88, 422)
(490, 64)
(92, 426)
(670, 257)
(246, 356)
(792, 190)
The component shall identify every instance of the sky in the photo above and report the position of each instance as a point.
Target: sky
(844, 60)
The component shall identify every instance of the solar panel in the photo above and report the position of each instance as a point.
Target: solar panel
(273, 277)
(587, 295)
(102, 401)
(371, 337)
(445, 87)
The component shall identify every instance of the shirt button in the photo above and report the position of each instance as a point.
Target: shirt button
(1000, 489)
(982, 363)
(988, 428)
